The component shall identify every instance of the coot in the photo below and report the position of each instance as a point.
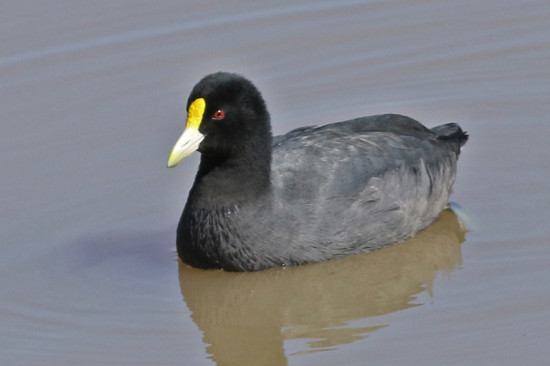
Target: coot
(310, 195)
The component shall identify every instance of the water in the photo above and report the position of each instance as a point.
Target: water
(92, 100)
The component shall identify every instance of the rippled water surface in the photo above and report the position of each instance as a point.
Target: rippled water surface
(92, 99)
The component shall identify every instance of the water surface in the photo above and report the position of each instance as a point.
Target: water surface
(93, 100)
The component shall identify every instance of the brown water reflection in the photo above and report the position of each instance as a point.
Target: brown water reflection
(246, 317)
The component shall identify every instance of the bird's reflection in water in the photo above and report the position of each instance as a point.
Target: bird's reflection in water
(246, 317)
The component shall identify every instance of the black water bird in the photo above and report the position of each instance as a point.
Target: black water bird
(310, 195)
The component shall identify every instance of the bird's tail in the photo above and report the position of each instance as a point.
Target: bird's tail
(451, 132)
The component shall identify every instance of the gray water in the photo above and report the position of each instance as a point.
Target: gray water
(93, 98)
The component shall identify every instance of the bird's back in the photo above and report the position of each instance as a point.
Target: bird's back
(363, 183)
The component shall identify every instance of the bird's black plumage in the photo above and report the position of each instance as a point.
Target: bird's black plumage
(312, 194)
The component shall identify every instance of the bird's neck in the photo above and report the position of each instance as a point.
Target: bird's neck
(232, 179)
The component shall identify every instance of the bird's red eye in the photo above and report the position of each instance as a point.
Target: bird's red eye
(219, 114)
